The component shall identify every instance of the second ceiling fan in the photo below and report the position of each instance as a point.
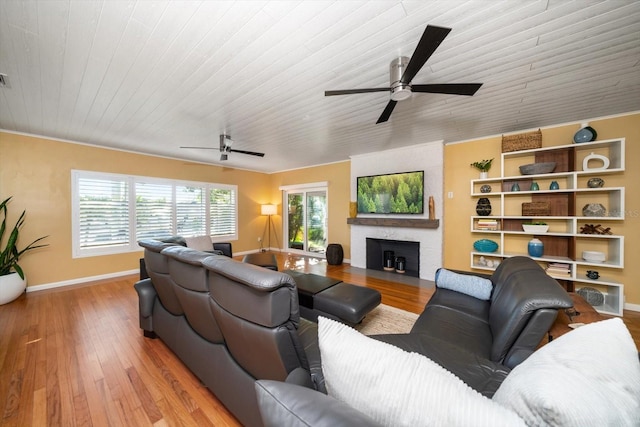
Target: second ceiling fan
(225, 148)
(404, 69)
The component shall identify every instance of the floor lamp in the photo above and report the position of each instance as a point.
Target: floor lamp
(269, 210)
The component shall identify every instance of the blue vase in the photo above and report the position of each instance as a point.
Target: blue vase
(535, 247)
(554, 185)
(534, 186)
(515, 187)
(585, 134)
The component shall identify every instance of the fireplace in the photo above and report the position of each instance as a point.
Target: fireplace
(379, 249)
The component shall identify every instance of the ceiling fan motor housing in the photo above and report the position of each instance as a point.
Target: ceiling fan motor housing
(399, 91)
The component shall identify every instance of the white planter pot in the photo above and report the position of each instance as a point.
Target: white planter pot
(11, 287)
(484, 175)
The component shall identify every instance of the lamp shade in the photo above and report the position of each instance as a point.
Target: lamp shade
(268, 209)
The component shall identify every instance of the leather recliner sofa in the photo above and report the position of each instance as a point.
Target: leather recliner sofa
(230, 322)
(479, 341)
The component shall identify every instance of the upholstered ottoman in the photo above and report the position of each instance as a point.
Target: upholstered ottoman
(262, 259)
(348, 302)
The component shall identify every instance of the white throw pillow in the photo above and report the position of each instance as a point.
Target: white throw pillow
(199, 243)
(587, 377)
(397, 388)
(475, 286)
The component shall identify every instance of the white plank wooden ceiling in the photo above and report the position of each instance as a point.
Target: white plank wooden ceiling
(151, 76)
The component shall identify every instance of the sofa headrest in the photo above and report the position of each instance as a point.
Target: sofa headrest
(186, 255)
(154, 245)
(256, 277)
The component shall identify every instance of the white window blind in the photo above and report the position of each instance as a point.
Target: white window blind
(112, 212)
(191, 208)
(223, 212)
(103, 212)
(154, 210)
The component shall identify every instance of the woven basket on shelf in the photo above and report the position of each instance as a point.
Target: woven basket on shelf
(522, 141)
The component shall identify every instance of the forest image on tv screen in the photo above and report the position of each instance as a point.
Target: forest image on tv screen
(399, 193)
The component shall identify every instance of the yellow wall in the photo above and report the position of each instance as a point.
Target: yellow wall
(338, 176)
(458, 173)
(37, 173)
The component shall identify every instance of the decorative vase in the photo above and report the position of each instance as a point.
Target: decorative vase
(484, 175)
(594, 209)
(605, 162)
(554, 185)
(483, 207)
(585, 134)
(534, 186)
(515, 187)
(535, 248)
(11, 287)
(353, 209)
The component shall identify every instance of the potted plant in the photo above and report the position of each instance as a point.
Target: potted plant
(12, 279)
(483, 166)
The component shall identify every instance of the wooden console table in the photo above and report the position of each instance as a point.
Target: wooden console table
(582, 312)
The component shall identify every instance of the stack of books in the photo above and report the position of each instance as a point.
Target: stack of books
(487, 224)
(558, 269)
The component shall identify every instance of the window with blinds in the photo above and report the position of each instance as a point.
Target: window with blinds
(112, 212)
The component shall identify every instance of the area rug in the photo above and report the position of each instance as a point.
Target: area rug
(385, 319)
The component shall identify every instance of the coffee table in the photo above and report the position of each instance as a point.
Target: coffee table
(324, 296)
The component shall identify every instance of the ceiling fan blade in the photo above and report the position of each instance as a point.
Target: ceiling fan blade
(202, 148)
(429, 42)
(352, 91)
(387, 112)
(252, 153)
(448, 88)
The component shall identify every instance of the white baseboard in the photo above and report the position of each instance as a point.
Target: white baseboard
(81, 280)
(632, 307)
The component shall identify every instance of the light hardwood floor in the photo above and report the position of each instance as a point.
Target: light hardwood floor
(76, 356)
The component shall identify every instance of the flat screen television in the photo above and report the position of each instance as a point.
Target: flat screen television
(394, 193)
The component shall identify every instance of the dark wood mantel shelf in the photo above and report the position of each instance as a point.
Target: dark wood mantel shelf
(395, 222)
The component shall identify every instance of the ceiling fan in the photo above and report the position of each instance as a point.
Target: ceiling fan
(225, 148)
(404, 69)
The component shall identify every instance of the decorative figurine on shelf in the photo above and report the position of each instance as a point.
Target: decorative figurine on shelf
(485, 188)
(534, 186)
(605, 162)
(432, 208)
(515, 187)
(554, 185)
(483, 166)
(595, 183)
(535, 247)
(593, 274)
(585, 134)
(594, 229)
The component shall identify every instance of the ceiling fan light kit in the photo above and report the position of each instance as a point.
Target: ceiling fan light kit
(399, 91)
(402, 70)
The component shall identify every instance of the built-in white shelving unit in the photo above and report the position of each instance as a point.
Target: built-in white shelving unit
(565, 240)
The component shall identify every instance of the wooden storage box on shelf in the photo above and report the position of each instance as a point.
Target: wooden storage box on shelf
(536, 209)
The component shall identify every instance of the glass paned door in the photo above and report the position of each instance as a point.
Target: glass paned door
(307, 220)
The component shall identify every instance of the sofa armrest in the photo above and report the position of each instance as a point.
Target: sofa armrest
(308, 333)
(283, 404)
(146, 298)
